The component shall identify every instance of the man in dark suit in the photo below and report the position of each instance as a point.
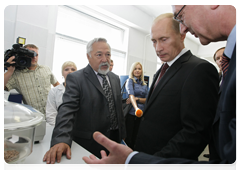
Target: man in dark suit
(218, 59)
(91, 102)
(181, 105)
(223, 130)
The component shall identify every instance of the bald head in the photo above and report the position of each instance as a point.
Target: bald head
(209, 23)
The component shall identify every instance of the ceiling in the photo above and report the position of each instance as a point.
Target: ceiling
(156, 10)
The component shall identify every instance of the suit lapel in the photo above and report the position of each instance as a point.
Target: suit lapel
(166, 77)
(153, 83)
(232, 65)
(92, 77)
(231, 69)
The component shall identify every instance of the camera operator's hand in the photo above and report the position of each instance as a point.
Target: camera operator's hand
(10, 60)
(10, 71)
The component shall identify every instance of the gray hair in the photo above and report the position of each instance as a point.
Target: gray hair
(90, 43)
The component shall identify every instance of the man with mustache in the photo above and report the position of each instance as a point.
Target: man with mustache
(91, 102)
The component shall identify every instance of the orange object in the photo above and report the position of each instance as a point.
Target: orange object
(139, 113)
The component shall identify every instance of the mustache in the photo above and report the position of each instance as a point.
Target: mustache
(103, 64)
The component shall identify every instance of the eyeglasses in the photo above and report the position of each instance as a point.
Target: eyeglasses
(177, 17)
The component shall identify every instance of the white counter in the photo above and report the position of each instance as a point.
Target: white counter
(39, 150)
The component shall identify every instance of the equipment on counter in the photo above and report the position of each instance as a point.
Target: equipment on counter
(20, 123)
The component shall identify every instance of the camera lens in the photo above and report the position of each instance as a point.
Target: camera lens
(22, 62)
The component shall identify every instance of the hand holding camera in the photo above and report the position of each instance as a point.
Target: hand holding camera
(11, 62)
(22, 56)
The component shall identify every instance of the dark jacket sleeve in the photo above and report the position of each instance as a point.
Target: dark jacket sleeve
(142, 161)
(66, 113)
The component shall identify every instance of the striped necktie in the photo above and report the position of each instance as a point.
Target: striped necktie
(108, 93)
(225, 63)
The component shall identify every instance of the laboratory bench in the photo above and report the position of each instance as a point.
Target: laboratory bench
(39, 150)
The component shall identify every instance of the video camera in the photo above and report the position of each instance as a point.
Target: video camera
(23, 56)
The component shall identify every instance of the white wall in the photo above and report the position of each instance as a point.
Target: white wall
(140, 23)
(37, 23)
(141, 50)
(140, 47)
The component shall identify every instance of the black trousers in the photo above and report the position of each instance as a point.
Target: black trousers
(114, 135)
(132, 125)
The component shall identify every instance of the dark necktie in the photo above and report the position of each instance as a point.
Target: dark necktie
(108, 93)
(165, 67)
(225, 64)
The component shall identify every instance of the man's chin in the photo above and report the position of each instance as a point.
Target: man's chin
(33, 64)
(103, 71)
(204, 41)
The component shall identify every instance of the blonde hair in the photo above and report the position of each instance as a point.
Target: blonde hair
(68, 63)
(131, 76)
(175, 24)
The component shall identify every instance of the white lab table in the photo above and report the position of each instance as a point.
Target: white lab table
(39, 150)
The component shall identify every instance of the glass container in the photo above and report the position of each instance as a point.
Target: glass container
(19, 129)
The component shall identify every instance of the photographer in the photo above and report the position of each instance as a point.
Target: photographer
(32, 82)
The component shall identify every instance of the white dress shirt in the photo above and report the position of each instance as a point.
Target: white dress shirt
(100, 79)
(53, 102)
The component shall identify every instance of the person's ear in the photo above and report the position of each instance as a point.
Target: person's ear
(183, 36)
(213, 7)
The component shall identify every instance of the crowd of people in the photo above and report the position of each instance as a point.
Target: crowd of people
(188, 106)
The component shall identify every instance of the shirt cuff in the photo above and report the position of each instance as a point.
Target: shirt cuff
(130, 157)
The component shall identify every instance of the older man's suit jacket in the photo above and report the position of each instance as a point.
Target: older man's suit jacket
(223, 130)
(85, 110)
(180, 110)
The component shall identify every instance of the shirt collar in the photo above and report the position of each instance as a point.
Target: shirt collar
(231, 42)
(97, 72)
(27, 70)
(137, 80)
(184, 50)
(93, 69)
(61, 86)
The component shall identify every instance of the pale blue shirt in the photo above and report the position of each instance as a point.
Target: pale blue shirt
(231, 42)
(139, 91)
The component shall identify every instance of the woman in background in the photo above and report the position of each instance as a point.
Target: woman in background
(137, 91)
(55, 94)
